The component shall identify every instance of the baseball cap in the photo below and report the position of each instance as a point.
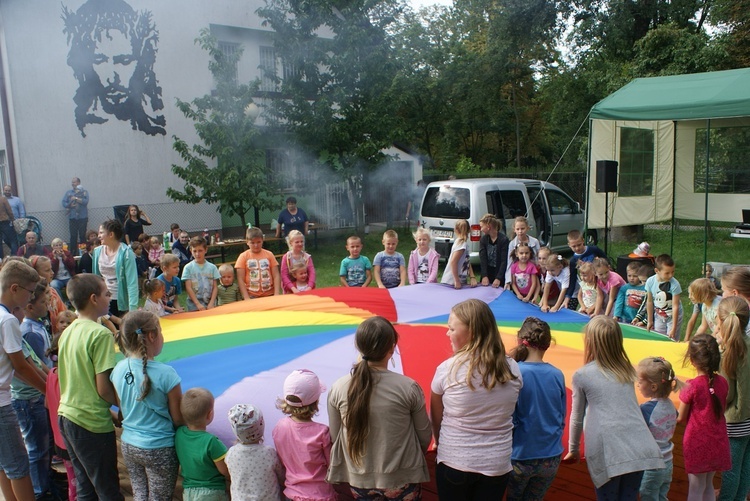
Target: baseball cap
(303, 384)
(247, 423)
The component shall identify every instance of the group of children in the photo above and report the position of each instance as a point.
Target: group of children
(257, 274)
(164, 430)
(650, 297)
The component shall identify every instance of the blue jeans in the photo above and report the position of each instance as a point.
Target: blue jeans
(34, 423)
(457, 485)
(8, 235)
(59, 286)
(13, 458)
(94, 458)
(655, 483)
(621, 488)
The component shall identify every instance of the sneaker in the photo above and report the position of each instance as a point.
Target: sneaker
(57, 460)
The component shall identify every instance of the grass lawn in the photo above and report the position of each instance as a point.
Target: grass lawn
(688, 253)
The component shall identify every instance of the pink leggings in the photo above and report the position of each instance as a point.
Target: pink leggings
(72, 495)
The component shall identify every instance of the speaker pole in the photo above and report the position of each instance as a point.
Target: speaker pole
(606, 216)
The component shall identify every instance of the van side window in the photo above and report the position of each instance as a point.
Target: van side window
(513, 204)
(559, 203)
(446, 202)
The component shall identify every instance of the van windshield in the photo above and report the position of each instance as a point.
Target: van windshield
(447, 202)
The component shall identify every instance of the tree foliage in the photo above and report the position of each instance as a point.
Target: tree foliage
(338, 100)
(488, 84)
(228, 166)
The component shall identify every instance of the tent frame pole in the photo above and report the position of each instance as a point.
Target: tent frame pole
(705, 205)
(674, 181)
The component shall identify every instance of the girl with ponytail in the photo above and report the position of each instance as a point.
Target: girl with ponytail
(705, 444)
(731, 323)
(378, 422)
(539, 418)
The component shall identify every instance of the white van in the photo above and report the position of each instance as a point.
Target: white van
(551, 212)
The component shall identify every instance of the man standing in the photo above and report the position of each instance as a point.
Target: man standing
(76, 201)
(7, 232)
(15, 203)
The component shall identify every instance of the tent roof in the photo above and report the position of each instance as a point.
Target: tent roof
(718, 94)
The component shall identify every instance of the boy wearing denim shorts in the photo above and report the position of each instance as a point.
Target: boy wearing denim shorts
(17, 283)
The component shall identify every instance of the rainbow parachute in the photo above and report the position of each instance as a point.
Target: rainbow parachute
(242, 352)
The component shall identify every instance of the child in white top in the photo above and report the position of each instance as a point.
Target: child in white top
(300, 276)
(154, 290)
(254, 468)
(524, 273)
(609, 284)
(706, 299)
(304, 446)
(458, 270)
(557, 272)
(423, 261)
(520, 228)
(656, 380)
(589, 301)
(150, 395)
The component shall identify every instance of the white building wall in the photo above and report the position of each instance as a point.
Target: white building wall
(116, 164)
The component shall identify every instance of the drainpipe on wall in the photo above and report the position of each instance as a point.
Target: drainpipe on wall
(9, 152)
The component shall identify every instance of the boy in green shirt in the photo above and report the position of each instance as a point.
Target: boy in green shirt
(201, 454)
(85, 360)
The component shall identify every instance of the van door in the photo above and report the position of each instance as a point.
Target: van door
(541, 218)
(565, 214)
(507, 205)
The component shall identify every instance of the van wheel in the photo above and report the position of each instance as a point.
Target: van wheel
(592, 237)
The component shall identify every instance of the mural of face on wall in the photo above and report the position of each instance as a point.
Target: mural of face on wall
(112, 53)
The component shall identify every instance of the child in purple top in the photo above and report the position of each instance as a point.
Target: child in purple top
(304, 446)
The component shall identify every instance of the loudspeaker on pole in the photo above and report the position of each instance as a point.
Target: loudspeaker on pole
(606, 176)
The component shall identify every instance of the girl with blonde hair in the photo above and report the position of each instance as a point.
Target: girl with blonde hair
(474, 394)
(732, 320)
(619, 445)
(296, 256)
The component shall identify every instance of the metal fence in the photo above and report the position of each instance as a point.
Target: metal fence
(192, 218)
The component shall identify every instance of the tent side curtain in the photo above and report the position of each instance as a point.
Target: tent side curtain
(631, 210)
(718, 94)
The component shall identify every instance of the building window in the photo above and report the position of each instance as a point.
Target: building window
(636, 177)
(728, 160)
(230, 51)
(268, 74)
(287, 172)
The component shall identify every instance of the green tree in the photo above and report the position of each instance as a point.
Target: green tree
(228, 167)
(338, 103)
